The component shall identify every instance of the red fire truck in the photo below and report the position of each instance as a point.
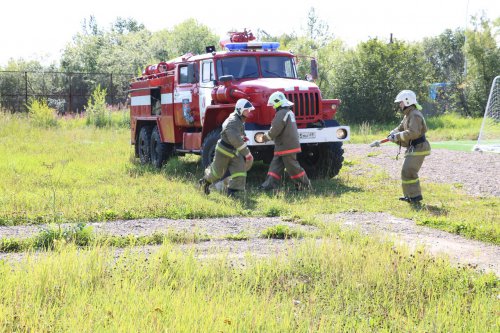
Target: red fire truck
(178, 107)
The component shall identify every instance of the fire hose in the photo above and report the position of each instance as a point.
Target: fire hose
(378, 142)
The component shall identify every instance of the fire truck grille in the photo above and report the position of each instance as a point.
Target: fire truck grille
(306, 105)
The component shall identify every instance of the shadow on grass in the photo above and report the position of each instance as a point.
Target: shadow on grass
(189, 169)
(178, 167)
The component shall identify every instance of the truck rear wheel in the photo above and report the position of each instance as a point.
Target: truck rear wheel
(160, 152)
(144, 144)
(208, 147)
(322, 160)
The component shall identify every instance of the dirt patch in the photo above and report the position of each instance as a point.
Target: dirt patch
(466, 252)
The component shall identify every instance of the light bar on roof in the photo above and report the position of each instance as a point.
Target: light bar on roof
(265, 46)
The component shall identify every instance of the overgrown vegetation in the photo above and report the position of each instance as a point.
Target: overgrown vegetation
(97, 114)
(41, 114)
(343, 283)
(54, 237)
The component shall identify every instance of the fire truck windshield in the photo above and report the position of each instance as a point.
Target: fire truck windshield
(246, 67)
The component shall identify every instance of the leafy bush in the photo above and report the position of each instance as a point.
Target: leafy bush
(80, 235)
(96, 112)
(281, 232)
(41, 114)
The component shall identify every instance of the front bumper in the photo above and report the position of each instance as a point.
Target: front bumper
(308, 135)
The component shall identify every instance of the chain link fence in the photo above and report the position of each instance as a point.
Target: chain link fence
(65, 92)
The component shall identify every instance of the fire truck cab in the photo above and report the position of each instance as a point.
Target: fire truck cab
(178, 107)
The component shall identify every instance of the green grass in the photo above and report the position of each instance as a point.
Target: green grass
(55, 236)
(449, 127)
(341, 284)
(460, 145)
(80, 174)
(341, 281)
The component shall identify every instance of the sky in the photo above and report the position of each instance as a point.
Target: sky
(40, 29)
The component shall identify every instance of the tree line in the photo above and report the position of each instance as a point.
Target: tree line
(451, 72)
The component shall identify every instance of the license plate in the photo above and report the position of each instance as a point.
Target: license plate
(307, 135)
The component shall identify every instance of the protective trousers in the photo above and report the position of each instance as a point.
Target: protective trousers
(224, 161)
(293, 168)
(409, 175)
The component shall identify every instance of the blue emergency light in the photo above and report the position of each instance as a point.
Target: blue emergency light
(265, 46)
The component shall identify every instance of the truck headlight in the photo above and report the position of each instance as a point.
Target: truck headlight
(259, 137)
(341, 133)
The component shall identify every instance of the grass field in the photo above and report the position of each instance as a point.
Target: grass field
(460, 145)
(339, 282)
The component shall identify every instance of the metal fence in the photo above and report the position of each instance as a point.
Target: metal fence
(65, 92)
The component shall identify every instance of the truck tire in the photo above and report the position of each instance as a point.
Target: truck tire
(208, 147)
(322, 160)
(144, 144)
(160, 151)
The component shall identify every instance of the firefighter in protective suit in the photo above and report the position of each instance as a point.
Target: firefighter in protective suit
(411, 134)
(231, 152)
(286, 145)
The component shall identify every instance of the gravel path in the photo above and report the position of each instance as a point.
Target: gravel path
(478, 174)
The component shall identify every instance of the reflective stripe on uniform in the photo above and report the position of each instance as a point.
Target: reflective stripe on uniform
(419, 153)
(298, 175)
(275, 176)
(239, 174)
(219, 149)
(289, 114)
(243, 146)
(411, 181)
(213, 172)
(290, 151)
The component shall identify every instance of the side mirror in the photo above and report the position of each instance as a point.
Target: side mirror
(314, 69)
(226, 79)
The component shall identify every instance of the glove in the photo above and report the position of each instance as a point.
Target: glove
(392, 137)
(248, 161)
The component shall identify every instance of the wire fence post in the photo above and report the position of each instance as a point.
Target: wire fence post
(26, 90)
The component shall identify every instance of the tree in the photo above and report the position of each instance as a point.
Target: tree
(369, 77)
(483, 63)
(191, 37)
(446, 58)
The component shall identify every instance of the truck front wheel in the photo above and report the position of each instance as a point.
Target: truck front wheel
(322, 160)
(208, 147)
(144, 144)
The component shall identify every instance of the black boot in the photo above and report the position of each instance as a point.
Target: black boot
(416, 199)
(404, 199)
(204, 185)
(231, 193)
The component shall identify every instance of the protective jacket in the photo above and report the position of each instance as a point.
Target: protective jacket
(411, 133)
(233, 132)
(284, 133)
(230, 153)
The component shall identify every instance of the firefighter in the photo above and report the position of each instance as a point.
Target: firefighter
(231, 152)
(411, 134)
(286, 145)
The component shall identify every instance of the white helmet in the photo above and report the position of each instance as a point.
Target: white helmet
(408, 97)
(243, 104)
(278, 99)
